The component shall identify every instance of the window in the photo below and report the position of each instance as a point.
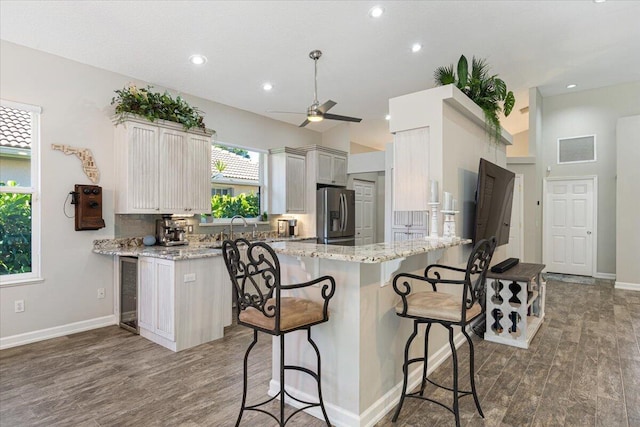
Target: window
(19, 193)
(236, 181)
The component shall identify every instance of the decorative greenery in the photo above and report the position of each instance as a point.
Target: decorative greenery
(225, 206)
(487, 91)
(220, 165)
(155, 105)
(15, 232)
(239, 151)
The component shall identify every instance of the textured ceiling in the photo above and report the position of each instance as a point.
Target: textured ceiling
(547, 44)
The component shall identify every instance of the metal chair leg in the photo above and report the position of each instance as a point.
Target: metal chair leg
(315, 347)
(454, 355)
(472, 372)
(426, 359)
(244, 376)
(405, 369)
(282, 395)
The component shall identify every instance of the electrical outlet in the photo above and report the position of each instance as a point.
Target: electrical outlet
(18, 306)
(189, 277)
(189, 228)
(100, 293)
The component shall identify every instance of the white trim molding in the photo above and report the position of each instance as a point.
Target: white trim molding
(606, 276)
(57, 331)
(627, 286)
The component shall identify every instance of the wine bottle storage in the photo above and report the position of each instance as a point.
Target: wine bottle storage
(515, 305)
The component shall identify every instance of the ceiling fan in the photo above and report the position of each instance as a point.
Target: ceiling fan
(317, 112)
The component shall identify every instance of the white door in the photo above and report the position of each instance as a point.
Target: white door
(515, 248)
(569, 225)
(365, 212)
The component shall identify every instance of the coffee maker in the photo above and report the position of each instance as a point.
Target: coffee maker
(171, 232)
(287, 227)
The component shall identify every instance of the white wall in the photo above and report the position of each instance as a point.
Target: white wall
(628, 202)
(75, 102)
(586, 113)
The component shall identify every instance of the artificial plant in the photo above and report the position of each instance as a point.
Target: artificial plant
(154, 105)
(489, 92)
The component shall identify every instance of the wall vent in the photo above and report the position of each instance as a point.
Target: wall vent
(577, 149)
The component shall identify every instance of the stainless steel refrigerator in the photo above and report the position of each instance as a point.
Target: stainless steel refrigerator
(336, 216)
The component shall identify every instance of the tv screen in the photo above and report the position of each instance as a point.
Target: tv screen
(494, 197)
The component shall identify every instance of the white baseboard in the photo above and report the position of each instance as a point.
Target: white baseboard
(57, 331)
(607, 276)
(628, 286)
(340, 417)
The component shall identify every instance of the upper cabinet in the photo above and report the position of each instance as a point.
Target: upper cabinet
(288, 172)
(330, 165)
(160, 168)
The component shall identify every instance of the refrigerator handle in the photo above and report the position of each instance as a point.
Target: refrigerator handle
(342, 212)
(346, 213)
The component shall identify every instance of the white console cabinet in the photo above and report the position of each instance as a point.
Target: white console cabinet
(288, 178)
(181, 303)
(160, 168)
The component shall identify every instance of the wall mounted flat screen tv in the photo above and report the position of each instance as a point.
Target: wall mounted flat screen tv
(494, 198)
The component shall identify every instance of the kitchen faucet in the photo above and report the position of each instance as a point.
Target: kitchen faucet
(231, 224)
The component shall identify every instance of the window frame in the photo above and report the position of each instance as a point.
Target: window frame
(262, 182)
(35, 275)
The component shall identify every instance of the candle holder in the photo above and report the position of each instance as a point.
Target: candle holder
(449, 225)
(433, 229)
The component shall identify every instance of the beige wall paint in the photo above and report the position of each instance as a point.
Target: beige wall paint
(16, 169)
(520, 147)
(591, 112)
(75, 102)
(627, 201)
(355, 148)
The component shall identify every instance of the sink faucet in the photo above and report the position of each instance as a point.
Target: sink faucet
(231, 224)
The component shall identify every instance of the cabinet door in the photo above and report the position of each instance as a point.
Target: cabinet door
(146, 297)
(296, 171)
(198, 174)
(143, 169)
(324, 166)
(171, 183)
(164, 299)
(339, 170)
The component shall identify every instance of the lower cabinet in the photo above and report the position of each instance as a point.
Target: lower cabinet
(181, 303)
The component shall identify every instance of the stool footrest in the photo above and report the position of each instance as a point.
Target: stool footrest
(460, 392)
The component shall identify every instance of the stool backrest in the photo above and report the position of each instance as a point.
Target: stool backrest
(476, 274)
(254, 270)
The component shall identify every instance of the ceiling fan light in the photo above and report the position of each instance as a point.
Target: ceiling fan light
(315, 117)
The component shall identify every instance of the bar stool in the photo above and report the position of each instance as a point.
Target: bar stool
(433, 307)
(254, 270)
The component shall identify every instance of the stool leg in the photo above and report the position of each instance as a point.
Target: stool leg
(405, 369)
(244, 375)
(456, 410)
(426, 359)
(472, 372)
(282, 395)
(315, 347)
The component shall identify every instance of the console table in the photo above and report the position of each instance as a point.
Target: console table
(515, 305)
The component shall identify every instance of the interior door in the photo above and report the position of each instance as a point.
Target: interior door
(569, 225)
(365, 212)
(515, 247)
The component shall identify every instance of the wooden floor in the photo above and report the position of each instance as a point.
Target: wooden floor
(583, 369)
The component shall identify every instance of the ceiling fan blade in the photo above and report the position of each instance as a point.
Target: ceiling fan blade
(306, 122)
(343, 118)
(326, 106)
(285, 112)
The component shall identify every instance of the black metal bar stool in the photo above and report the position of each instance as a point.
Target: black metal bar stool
(255, 273)
(433, 307)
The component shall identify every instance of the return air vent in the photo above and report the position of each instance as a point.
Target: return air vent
(577, 149)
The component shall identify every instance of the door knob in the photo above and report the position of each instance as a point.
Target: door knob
(588, 232)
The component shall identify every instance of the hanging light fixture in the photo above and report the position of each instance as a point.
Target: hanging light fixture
(313, 115)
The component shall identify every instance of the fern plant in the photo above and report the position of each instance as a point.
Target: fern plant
(489, 92)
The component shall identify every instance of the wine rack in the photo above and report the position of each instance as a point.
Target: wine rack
(515, 305)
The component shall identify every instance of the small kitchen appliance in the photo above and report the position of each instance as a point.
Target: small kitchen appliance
(171, 232)
(287, 227)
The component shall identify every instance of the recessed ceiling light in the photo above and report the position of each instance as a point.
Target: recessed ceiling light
(267, 86)
(198, 59)
(599, 1)
(387, 117)
(571, 86)
(376, 11)
(416, 47)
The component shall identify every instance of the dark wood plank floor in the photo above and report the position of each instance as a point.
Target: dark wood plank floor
(583, 369)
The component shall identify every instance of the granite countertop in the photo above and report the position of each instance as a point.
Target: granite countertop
(203, 248)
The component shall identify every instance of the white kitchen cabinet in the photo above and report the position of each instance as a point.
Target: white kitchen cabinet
(409, 225)
(160, 168)
(181, 303)
(330, 165)
(288, 172)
